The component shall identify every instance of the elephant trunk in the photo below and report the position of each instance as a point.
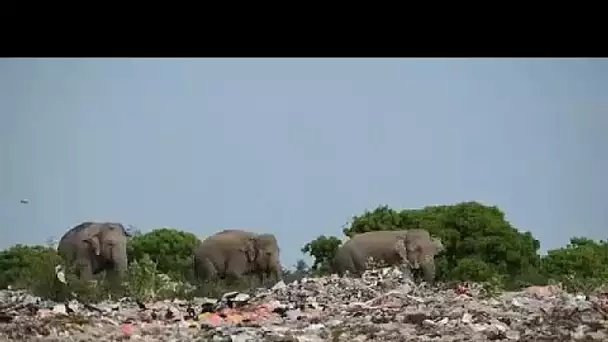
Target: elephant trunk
(268, 267)
(119, 258)
(276, 270)
(428, 269)
(121, 267)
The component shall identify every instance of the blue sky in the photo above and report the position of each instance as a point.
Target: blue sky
(297, 146)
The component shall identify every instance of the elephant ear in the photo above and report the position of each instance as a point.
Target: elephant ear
(93, 241)
(249, 248)
(400, 247)
(267, 243)
(437, 244)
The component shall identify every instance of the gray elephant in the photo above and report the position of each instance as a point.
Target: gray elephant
(414, 247)
(231, 254)
(94, 247)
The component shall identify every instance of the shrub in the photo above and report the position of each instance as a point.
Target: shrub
(144, 282)
(323, 249)
(170, 249)
(581, 266)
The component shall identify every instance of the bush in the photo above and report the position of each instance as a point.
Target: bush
(145, 282)
(170, 249)
(27, 266)
(580, 266)
(142, 282)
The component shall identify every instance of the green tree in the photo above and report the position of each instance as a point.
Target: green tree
(170, 249)
(21, 264)
(322, 249)
(581, 265)
(381, 218)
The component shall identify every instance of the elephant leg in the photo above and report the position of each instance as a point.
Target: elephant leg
(407, 257)
(269, 277)
(119, 268)
(85, 269)
(347, 262)
(235, 268)
(341, 266)
(263, 278)
(407, 272)
(413, 254)
(428, 268)
(413, 258)
(358, 264)
(352, 266)
(205, 270)
(275, 275)
(113, 275)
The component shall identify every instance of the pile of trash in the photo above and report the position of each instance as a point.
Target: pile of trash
(380, 306)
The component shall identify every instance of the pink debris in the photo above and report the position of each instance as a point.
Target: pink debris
(127, 329)
(462, 290)
(211, 318)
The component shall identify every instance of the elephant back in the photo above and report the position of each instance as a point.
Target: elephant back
(75, 235)
(227, 242)
(71, 238)
(77, 230)
(418, 234)
(233, 232)
(223, 242)
(379, 245)
(268, 240)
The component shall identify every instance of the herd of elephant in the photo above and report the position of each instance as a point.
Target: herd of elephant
(96, 247)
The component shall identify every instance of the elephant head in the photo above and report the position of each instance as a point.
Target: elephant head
(418, 249)
(108, 246)
(263, 254)
(437, 244)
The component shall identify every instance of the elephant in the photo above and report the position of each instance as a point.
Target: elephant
(231, 254)
(414, 247)
(94, 247)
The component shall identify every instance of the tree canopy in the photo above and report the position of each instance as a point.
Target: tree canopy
(323, 249)
(582, 263)
(171, 249)
(20, 263)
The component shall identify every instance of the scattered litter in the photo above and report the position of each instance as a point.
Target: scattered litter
(383, 305)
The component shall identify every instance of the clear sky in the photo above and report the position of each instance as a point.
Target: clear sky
(298, 146)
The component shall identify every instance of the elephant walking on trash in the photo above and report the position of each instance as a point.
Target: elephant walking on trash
(413, 247)
(231, 254)
(94, 247)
